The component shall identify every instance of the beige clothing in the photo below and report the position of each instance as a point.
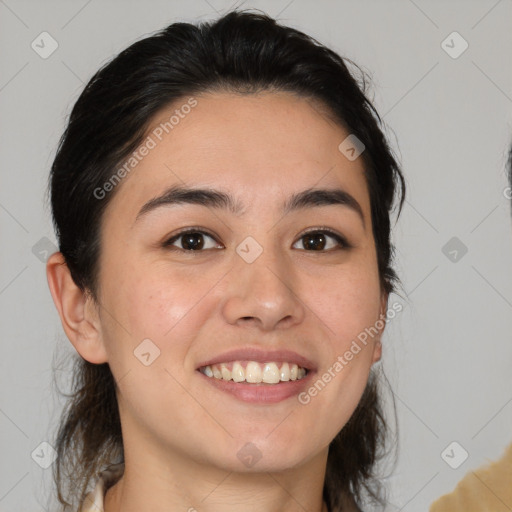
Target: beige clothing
(93, 501)
(487, 489)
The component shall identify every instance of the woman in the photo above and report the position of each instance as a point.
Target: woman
(222, 198)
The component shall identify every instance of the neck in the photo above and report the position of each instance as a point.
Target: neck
(199, 488)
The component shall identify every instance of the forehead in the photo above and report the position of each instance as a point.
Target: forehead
(261, 147)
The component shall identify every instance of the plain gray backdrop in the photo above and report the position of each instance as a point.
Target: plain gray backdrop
(448, 108)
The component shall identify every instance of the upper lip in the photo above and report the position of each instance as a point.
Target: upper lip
(260, 356)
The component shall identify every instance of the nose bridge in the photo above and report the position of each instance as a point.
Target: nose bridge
(268, 273)
(262, 286)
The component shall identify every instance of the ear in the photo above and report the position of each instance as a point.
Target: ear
(377, 347)
(78, 312)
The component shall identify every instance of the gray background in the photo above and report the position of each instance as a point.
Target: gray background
(448, 354)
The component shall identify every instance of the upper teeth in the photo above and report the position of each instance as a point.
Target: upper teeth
(254, 372)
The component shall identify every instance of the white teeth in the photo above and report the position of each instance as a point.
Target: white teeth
(285, 372)
(237, 374)
(255, 373)
(226, 374)
(271, 373)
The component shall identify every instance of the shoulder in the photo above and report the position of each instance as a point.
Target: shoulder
(488, 487)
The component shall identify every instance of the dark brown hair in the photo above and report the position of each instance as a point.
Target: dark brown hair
(241, 52)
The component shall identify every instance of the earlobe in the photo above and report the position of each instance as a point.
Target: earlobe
(383, 313)
(77, 313)
(377, 351)
(377, 348)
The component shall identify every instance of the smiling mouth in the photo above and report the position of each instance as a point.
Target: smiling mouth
(253, 372)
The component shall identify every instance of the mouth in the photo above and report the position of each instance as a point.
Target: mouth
(256, 376)
(254, 372)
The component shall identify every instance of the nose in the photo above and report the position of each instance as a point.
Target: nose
(262, 294)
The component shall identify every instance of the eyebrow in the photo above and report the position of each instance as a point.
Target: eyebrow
(212, 198)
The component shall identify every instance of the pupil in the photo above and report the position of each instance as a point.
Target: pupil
(191, 241)
(313, 240)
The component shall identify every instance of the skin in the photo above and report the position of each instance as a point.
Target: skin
(181, 435)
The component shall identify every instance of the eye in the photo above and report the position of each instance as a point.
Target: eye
(318, 241)
(191, 240)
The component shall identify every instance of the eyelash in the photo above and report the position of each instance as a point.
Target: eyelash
(343, 244)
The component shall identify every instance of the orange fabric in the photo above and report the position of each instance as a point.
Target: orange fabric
(487, 489)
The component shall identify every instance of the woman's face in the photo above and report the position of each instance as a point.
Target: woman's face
(248, 279)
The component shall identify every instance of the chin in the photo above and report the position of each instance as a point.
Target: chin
(262, 455)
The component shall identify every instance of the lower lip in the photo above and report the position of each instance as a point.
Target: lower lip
(261, 393)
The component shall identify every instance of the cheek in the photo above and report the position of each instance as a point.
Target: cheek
(349, 304)
(152, 302)
(167, 306)
(351, 309)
